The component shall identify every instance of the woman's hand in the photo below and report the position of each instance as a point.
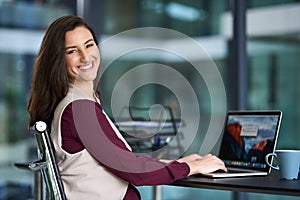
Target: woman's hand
(203, 165)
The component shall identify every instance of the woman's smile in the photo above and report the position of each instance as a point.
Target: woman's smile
(87, 66)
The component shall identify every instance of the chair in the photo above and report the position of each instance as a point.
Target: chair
(46, 165)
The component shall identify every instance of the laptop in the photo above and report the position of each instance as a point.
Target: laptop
(248, 137)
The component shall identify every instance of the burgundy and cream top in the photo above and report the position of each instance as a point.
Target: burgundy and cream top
(95, 161)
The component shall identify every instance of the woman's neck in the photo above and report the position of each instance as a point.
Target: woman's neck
(87, 88)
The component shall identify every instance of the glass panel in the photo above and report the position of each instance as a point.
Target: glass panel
(194, 18)
(191, 18)
(273, 57)
(266, 3)
(21, 26)
(273, 61)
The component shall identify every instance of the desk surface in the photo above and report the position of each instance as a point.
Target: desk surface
(270, 184)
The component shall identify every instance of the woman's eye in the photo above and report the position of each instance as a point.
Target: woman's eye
(89, 45)
(70, 51)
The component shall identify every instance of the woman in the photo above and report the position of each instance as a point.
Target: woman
(95, 161)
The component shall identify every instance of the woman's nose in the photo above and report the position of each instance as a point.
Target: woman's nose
(84, 56)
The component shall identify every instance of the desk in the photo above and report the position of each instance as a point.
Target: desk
(270, 184)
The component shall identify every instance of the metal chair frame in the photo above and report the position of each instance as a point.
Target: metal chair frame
(46, 165)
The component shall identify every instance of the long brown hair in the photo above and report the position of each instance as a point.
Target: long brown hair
(50, 81)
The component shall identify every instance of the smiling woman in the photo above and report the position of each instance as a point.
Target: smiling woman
(82, 57)
(89, 148)
(51, 79)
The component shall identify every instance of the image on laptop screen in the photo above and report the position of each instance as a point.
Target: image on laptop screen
(248, 137)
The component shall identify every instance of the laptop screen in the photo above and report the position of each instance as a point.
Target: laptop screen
(248, 137)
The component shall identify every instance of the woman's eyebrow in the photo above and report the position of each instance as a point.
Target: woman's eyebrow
(71, 47)
(89, 41)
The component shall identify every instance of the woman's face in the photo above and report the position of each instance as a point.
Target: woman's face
(82, 55)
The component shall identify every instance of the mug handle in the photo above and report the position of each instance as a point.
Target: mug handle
(267, 160)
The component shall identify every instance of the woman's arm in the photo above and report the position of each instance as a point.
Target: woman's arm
(87, 120)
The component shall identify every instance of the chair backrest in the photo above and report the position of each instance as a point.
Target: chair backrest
(49, 168)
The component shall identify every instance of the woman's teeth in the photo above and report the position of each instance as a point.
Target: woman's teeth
(85, 67)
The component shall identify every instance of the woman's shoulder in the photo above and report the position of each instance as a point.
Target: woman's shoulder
(82, 103)
(71, 104)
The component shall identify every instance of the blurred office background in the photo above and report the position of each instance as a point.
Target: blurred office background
(271, 79)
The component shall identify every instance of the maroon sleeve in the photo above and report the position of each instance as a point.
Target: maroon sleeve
(70, 139)
(80, 130)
